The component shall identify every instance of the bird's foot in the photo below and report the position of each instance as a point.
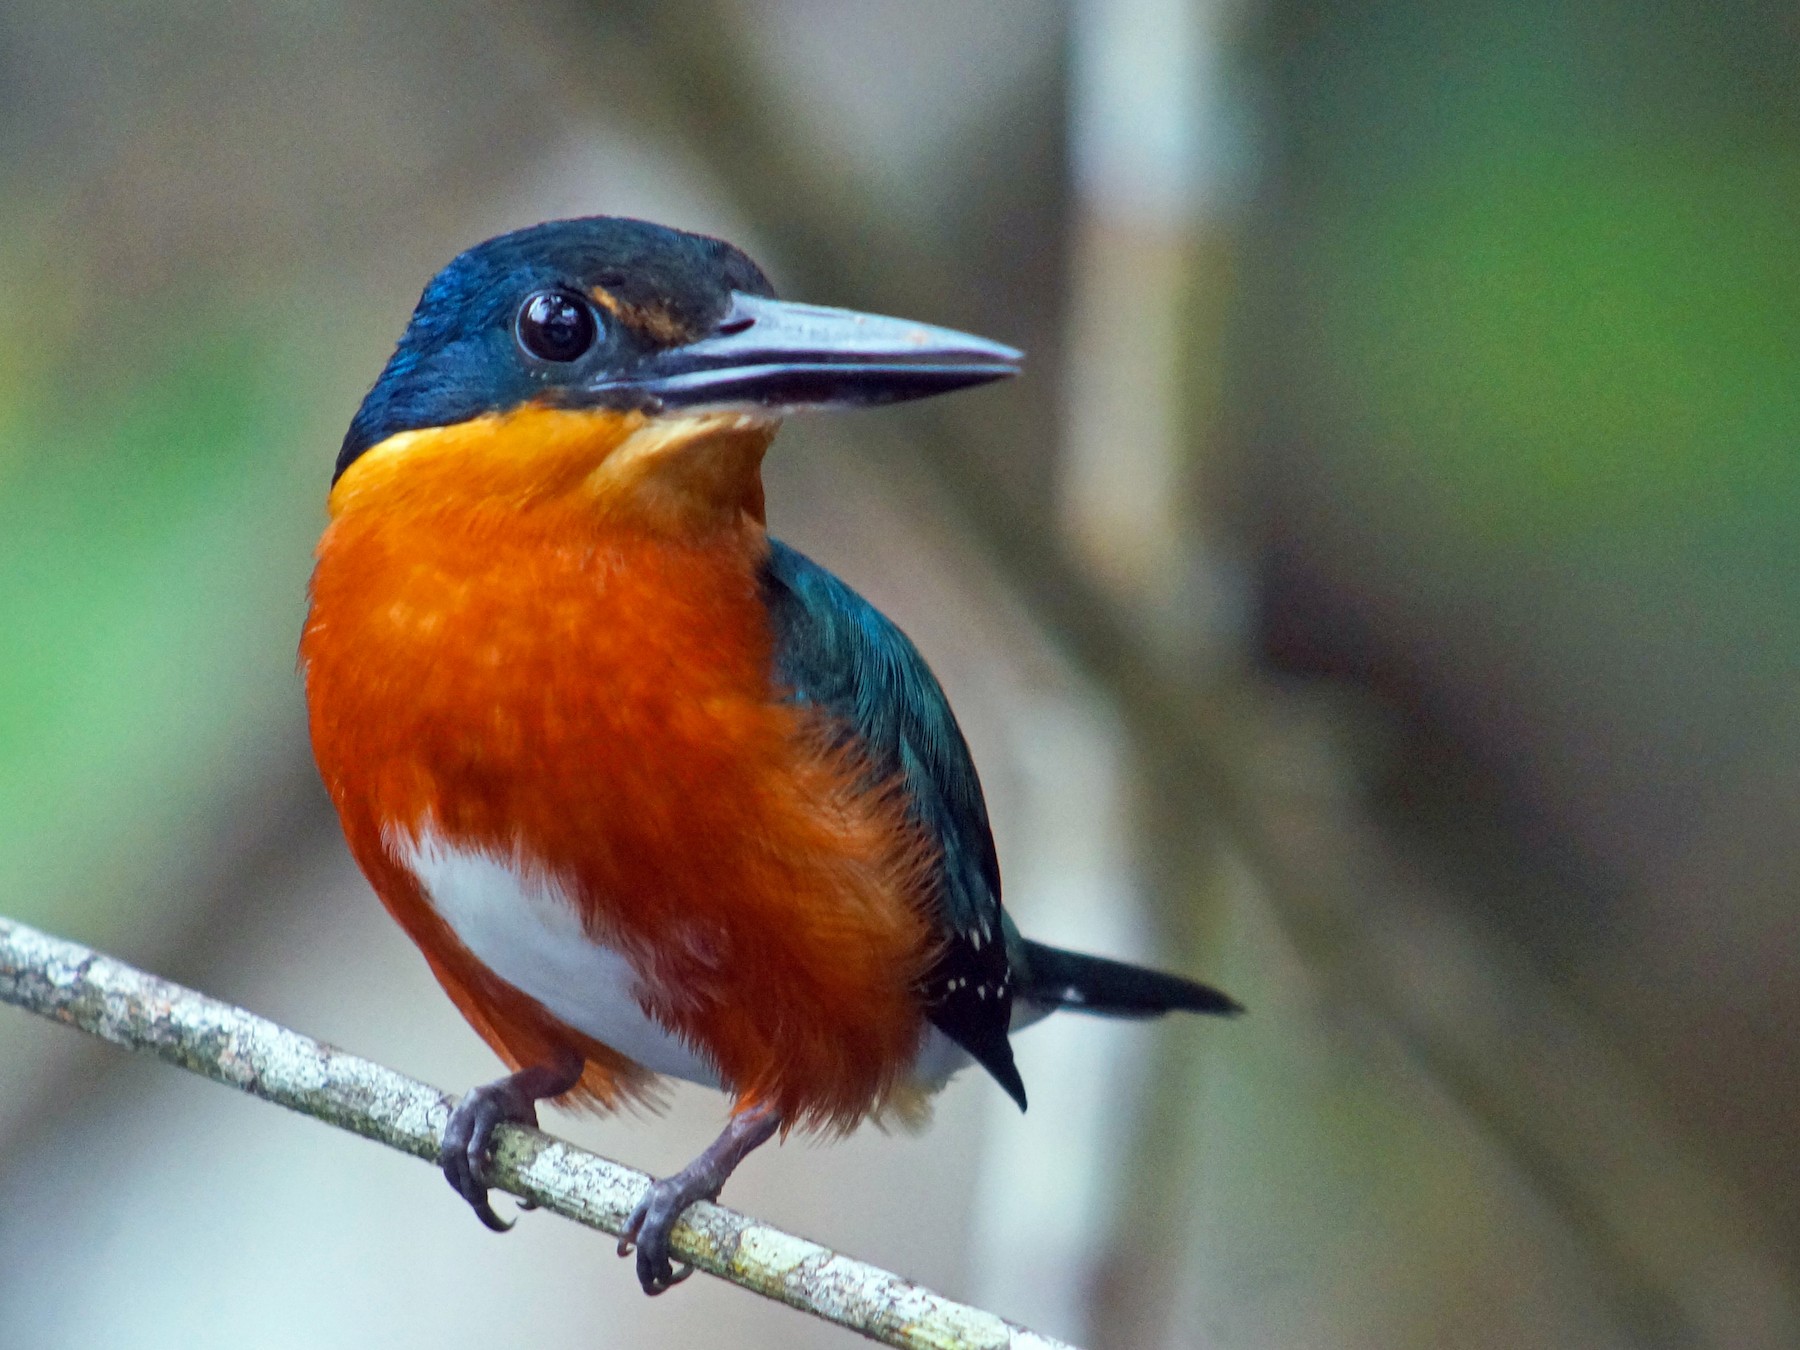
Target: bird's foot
(653, 1221)
(467, 1149)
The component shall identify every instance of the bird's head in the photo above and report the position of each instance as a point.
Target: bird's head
(644, 366)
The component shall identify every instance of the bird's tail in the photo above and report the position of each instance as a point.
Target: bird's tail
(1093, 984)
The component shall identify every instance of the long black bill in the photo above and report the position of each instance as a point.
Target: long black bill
(776, 354)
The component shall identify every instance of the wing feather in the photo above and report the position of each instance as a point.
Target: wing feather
(837, 652)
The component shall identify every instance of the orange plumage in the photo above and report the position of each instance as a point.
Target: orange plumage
(538, 633)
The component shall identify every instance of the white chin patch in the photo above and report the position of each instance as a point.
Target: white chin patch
(521, 923)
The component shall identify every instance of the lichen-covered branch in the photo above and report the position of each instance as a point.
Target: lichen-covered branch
(107, 998)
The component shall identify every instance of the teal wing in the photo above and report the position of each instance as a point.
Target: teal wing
(837, 652)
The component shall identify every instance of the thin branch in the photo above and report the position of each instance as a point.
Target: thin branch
(116, 1002)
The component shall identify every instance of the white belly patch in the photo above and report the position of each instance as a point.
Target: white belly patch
(523, 926)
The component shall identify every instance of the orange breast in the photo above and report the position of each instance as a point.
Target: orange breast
(543, 639)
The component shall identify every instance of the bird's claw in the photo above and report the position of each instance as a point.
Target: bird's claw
(653, 1221)
(649, 1228)
(467, 1150)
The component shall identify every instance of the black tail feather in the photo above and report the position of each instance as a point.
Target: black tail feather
(1093, 984)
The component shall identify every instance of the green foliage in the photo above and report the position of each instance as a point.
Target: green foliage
(1575, 342)
(151, 590)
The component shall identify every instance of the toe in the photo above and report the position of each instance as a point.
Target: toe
(633, 1226)
(650, 1227)
(668, 1275)
(463, 1173)
(467, 1150)
(485, 1212)
(655, 1271)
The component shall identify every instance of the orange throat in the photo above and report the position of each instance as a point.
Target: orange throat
(541, 635)
(687, 475)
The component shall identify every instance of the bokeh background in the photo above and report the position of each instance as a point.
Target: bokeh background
(1381, 596)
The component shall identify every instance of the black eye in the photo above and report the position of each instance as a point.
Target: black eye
(556, 326)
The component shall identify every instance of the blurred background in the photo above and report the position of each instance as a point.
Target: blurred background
(1381, 596)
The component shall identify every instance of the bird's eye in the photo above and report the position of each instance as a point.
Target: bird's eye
(557, 326)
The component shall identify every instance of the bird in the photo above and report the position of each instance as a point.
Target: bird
(655, 794)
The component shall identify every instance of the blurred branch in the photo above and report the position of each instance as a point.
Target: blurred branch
(109, 999)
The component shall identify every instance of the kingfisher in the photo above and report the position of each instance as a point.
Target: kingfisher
(656, 795)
